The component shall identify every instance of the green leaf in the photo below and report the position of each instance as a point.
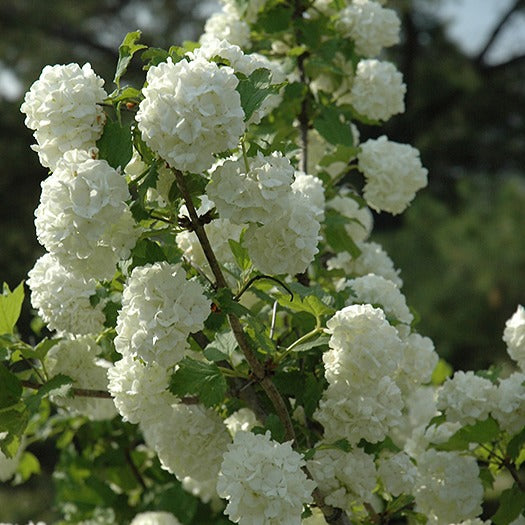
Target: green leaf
(55, 383)
(480, 432)
(337, 236)
(331, 128)
(399, 504)
(40, 350)
(10, 388)
(147, 251)
(226, 303)
(254, 89)
(240, 253)
(307, 300)
(115, 146)
(14, 422)
(222, 347)
(318, 341)
(276, 19)
(311, 394)
(126, 51)
(512, 504)
(28, 466)
(153, 56)
(441, 372)
(10, 307)
(198, 378)
(126, 94)
(515, 445)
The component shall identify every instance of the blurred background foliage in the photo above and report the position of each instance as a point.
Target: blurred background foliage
(460, 245)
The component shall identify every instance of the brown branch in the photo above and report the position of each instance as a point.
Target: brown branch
(480, 58)
(256, 366)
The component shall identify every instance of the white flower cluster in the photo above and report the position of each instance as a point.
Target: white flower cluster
(62, 107)
(514, 336)
(263, 481)
(345, 478)
(362, 400)
(448, 489)
(398, 473)
(245, 64)
(393, 174)
(191, 110)
(139, 389)
(78, 359)
(83, 219)
(190, 441)
(243, 420)
(373, 259)
(369, 25)
(466, 398)
(155, 518)
(160, 308)
(375, 289)
(284, 214)
(509, 405)
(378, 90)
(226, 24)
(62, 299)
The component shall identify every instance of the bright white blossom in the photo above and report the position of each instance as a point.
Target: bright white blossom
(397, 472)
(364, 347)
(248, 11)
(373, 259)
(288, 244)
(361, 220)
(393, 174)
(466, 398)
(370, 26)
(83, 218)
(155, 518)
(246, 64)
(242, 420)
(376, 290)
(63, 108)
(259, 194)
(190, 111)
(345, 478)
(226, 25)
(448, 489)
(63, 299)
(139, 389)
(263, 481)
(378, 90)
(160, 308)
(79, 359)
(514, 336)
(509, 409)
(190, 441)
(312, 188)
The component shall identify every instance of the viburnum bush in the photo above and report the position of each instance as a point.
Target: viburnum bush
(226, 343)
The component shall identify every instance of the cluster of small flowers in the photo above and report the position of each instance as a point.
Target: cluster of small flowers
(263, 481)
(283, 214)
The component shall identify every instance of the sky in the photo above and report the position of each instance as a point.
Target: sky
(469, 24)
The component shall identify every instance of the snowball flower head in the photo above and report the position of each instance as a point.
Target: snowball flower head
(312, 188)
(378, 90)
(466, 398)
(448, 488)
(370, 26)
(360, 226)
(160, 308)
(398, 473)
(374, 289)
(509, 409)
(78, 359)
(83, 219)
(263, 481)
(243, 419)
(393, 174)
(514, 336)
(139, 389)
(289, 244)
(63, 108)
(345, 478)
(258, 194)
(190, 111)
(373, 259)
(227, 25)
(155, 518)
(62, 298)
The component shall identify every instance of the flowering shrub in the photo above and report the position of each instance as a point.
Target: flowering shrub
(226, 344)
